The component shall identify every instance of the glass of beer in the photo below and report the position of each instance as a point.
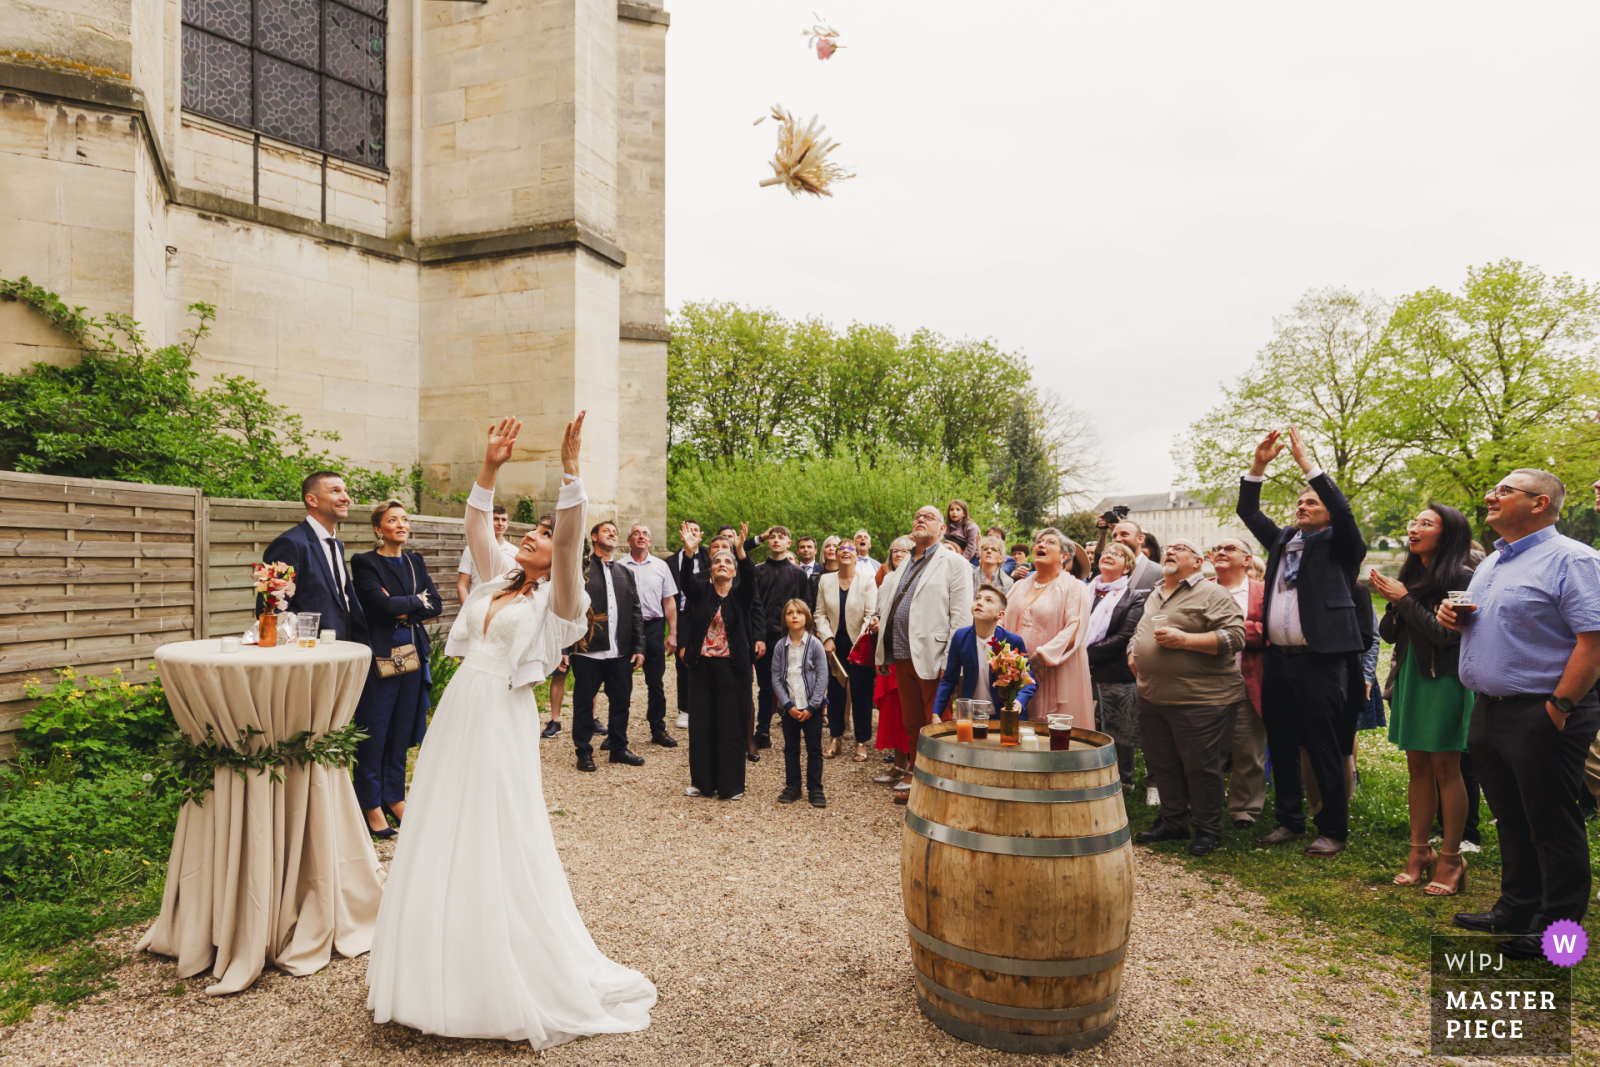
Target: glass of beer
(964, 720)
(1060, 732)
(306, 628)
(1461, 601)
(1010, 726)
(980, 719)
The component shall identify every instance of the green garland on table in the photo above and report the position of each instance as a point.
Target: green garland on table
(194, 766)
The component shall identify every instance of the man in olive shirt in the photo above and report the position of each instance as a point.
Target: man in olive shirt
(1183, 657)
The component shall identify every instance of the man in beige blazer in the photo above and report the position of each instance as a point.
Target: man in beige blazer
(919, 607)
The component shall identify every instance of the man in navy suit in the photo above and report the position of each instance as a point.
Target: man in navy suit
(965, 666)
(321, 578)
(1312, 681)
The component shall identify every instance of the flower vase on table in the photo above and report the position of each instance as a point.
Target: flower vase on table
(1008, 673)
(274, 585)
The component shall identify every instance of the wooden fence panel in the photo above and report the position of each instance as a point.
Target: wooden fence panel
(94, 575)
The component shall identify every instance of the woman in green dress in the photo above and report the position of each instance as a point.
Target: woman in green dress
(1430, 708)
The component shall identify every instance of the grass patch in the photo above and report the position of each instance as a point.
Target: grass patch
(1351, 900)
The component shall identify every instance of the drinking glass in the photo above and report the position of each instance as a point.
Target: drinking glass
(1461, 601)
(306, 624)
(1060, 732)
(963, 720)
(980, 719)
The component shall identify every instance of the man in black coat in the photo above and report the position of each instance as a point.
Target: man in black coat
(607, 655)
(322, 580)
(1312, 681)
(779, 580)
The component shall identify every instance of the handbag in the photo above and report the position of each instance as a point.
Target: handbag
(402, 659)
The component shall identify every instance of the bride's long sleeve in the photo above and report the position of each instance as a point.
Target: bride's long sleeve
(479, 528)
(566, 561)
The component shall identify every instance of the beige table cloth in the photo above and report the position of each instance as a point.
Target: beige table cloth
(266, 872)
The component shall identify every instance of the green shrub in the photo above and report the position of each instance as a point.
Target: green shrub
(441, 668)
(826, 496)
(107, 723)
(65, 837)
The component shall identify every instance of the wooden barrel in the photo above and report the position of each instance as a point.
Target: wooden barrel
(1017, 873)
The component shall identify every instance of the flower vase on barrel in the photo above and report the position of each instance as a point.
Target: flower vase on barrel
(1008, 673)
(274, 585)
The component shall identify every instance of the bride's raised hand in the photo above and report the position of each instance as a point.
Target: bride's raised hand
(571, 444)
(502, 438)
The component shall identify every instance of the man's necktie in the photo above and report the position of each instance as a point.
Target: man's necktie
(1291, 560)
(338, 568)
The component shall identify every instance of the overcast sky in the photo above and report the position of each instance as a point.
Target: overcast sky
(1128, 196)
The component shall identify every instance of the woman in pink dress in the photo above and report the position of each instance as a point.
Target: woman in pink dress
(1049, 609)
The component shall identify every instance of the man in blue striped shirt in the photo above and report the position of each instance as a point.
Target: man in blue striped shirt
(1530, 649)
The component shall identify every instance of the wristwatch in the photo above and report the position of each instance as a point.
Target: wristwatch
(1561, 704)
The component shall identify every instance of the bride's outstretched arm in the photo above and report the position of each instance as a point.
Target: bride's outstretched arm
(480, 502)
(566, 561)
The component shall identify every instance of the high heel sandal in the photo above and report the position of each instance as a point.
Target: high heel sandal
(832, 750)
(1437, 888)
(1403, 878)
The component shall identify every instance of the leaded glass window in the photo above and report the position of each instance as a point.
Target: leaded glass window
(310, 72)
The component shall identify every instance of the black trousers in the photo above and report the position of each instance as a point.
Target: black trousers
(811, 730)
(766, 702)
(655, 673)
(717, 714)
(1304, 704)
(1532, 774)
(863, 677)
(588, 677)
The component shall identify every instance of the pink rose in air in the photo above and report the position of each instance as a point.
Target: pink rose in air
(825, 48)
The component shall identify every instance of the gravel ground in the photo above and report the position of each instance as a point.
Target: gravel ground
(775, 936)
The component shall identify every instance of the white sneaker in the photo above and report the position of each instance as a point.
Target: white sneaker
(683, 720)
(1152, 797)
(691, 792)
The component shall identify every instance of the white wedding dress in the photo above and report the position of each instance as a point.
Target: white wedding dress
(478, 935)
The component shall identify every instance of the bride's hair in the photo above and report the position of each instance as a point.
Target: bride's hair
(547, 521)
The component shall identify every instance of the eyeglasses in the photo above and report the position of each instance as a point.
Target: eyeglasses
(1502, 491)
(1226, 548)
(1422, 524)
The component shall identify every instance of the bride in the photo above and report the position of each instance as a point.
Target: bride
(478, 935)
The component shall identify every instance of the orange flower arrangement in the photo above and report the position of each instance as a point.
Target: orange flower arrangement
(1008, 671)
(274, 582)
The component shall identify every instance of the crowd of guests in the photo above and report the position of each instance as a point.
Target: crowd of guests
(1221, 666)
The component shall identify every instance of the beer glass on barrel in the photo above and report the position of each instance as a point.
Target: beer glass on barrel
(963, 720)
(980, 719)
(1060, 732)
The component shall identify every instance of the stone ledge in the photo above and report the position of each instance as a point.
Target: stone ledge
(642, 13)
(227, 207)
(644, 331)
(570, 234)
(87, 89)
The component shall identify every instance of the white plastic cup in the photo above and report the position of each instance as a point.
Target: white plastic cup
(230, 644)
(328, 637)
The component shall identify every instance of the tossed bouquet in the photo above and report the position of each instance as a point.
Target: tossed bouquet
(1008, 671)
(274, 583)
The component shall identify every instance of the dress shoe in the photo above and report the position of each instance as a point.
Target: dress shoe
(551, 728)
(628, 756)
(1204, 844)
(1243, 824)
(901, 798)
(1281, 836)
(817, 799)
(763, 740)
(1324, 847)
(1160, 833)
(1525, 947)
(1497, 920)
(753, 757)
(664, 739)
(600, 729)
(790, 794)
(586, 763)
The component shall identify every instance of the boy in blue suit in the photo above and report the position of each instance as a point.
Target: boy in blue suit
(964, 666)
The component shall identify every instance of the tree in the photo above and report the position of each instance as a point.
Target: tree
(740, 382)
(1498, 376)
(132, 413)
(1326, 371)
